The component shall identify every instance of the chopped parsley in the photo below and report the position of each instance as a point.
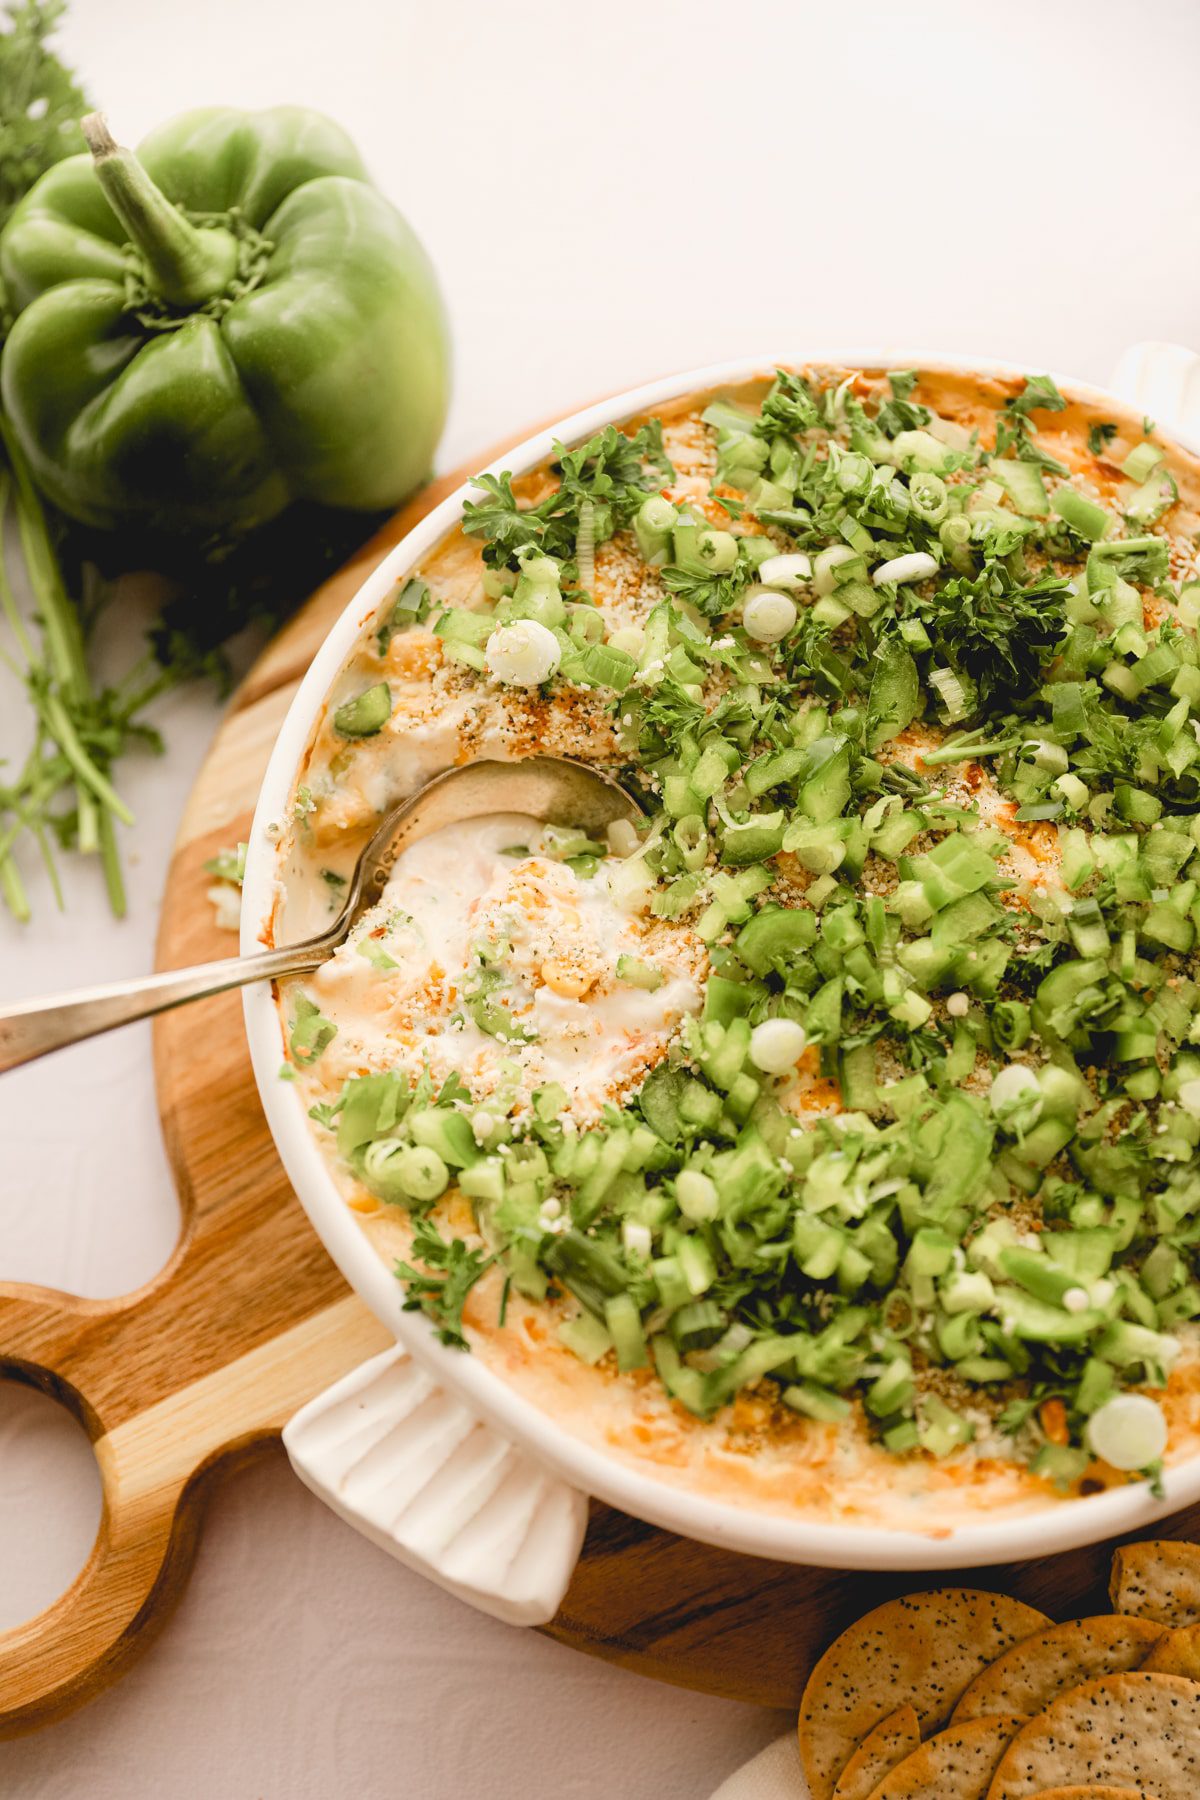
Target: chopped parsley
(995, 630)
(900, 413)
(42, 101)
(712, 594)
(612, 473)
(439, 1288)
(789, 408)
(1015, 430)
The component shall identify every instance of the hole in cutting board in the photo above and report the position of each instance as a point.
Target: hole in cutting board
(50, 1501)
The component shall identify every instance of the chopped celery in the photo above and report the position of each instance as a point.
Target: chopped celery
(942, 1430)
(1024, 485)
(442, 1129)
(638, 973)
(1025, 1316)
(1084, 516)
(697, 1325)
(893, 1390)
(311, 1032)
(366, 714)
(815, 1402)
(775, 937)
(586, 1337)
(1141, 460)
(753, 840)
(624, 1324)
(1156, 495)
(1060, 1464)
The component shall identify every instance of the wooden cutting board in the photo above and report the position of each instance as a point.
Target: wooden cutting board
(185, 1380)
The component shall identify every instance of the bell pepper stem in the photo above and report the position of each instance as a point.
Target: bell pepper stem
(185, 265)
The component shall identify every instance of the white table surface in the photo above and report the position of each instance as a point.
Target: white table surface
(609, 192)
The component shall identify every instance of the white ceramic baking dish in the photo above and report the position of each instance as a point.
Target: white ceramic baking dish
(425, 1449)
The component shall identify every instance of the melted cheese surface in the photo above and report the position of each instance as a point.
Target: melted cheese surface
(472, 927)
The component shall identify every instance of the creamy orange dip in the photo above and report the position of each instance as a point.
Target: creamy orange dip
(510, 969)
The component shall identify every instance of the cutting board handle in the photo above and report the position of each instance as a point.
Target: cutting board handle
(143, 1552)
(166, 1417)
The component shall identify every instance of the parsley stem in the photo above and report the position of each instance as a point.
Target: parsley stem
(110, 858)
(960, 752)
(87, 823)
(64, 643)
(13, 889)
(8, 602)
(27, 819)
(57, 677)
(38, 831)
(68, 742)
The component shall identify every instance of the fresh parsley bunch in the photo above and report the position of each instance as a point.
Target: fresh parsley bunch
(40, 100)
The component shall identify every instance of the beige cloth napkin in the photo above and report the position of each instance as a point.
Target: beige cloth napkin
(774, 1774)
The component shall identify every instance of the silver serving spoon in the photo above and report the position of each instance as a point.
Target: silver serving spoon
(552, 788)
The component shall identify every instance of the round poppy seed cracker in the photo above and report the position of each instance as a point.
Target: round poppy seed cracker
(1158, 1579)
(1135, 1730)
(887, 1744)
(1094, 1793)
(1030, 1675)
(959, 1761)
(922, 1649)
(1177, 1653)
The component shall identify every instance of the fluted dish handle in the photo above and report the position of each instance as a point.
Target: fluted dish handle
(415, 1471)
(1163, 381)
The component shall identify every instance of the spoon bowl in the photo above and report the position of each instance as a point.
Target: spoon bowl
(554, 789)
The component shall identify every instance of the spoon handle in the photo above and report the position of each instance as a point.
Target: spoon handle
(31, 1028)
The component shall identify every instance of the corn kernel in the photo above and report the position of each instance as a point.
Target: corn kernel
(566, 978)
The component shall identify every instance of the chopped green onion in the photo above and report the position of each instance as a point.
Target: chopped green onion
(826, 564)
(1129, 1431)
(956, 693)
(930, 500)
(624, 1324)
(767, 616)
(401, 1173)
(918, 565)
(1156, 495)
(792, 571)
(653, 526)
(777, 1045)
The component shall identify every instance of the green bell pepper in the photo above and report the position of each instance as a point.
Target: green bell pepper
(230, 320)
